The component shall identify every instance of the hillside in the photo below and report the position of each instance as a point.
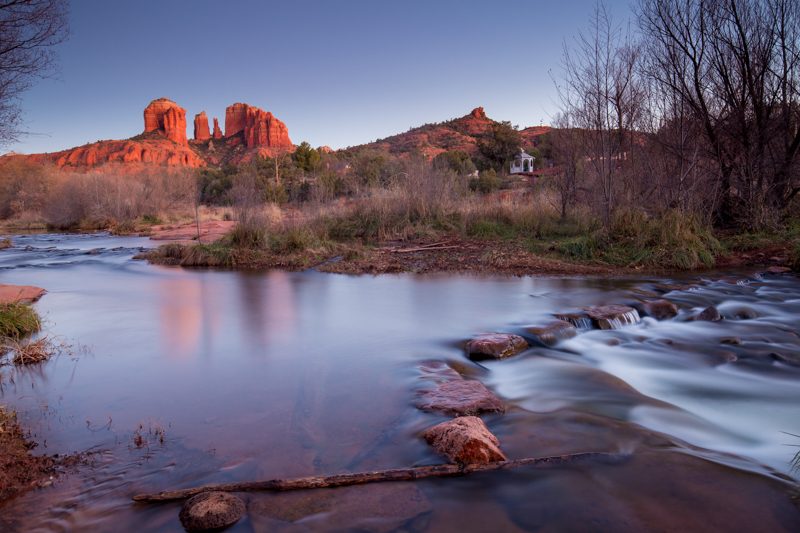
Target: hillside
(462, 134)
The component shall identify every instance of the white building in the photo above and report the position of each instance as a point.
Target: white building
(522, 163)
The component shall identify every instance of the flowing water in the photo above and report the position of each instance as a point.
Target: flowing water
(181, 377)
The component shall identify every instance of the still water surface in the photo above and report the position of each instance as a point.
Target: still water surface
(233, 376)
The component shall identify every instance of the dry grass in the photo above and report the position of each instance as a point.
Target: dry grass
(33, 352)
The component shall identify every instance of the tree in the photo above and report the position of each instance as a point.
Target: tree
(29, 30)
(455, 160)
(500, 145)
(306, 158)
(602, 97)
(734, 67)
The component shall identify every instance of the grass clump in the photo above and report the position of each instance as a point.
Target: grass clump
(18, 321)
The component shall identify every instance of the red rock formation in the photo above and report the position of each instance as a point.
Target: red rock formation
(261, 128)
(166, 117)
(201, 132)
(149, 151)
(217, 131)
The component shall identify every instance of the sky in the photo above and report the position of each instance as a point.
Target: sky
(337, 72)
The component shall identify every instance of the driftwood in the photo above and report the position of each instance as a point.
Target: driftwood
(359, 478)
(443, 245)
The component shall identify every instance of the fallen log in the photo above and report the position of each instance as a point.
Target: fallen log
(359, 478)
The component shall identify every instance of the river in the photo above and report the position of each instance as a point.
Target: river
(179, 377)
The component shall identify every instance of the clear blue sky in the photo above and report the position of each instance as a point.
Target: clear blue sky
(339, 73)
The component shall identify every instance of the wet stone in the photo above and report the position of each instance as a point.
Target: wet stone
(734, 341)
(495, 346)
(709, 314)
(742, 313)
(579, 320)
(612, 316)
(210, 511)
(465, 440)
(660, 309)
(460, 397)
(552, 332)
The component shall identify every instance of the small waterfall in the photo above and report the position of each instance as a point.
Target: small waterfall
(623, 319)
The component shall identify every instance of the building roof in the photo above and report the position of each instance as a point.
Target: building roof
(523, 155)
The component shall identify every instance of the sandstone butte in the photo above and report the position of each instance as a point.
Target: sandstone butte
(164, 142)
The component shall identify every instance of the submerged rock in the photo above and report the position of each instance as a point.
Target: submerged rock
(579, 320)
(460, 397)
(741, 313)
(709, 314)
(495, 345)
(660, 309)
(552, 332)
(211, 510)
(465, 440)
(377, 508)
(612, 316)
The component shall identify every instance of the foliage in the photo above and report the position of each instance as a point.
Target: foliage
(18, 321)
(456, 161)
(500, 145)
(486, 182)
(306, 158)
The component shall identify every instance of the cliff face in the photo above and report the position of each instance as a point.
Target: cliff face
(260, 128)
(166, 117)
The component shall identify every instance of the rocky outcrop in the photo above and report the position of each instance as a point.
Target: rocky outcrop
(166, 117)
(465, 441)
(260, 128)
(209, 511)
(495, 346)
(201, 131)
(217, 131)
(128, 153)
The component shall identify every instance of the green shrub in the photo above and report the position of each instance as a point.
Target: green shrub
(18, 320)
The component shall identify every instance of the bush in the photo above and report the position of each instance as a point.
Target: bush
(18, 321)
(486, 182)
(250, 234)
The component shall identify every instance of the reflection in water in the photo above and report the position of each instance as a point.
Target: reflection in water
(260, 375)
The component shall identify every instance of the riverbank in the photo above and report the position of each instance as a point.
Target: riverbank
(453, 254)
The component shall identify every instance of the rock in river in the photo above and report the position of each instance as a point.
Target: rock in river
(495, 345)
(660, 309)
(460, 397)
(612, 316)
(25, 294)
(552, 332)
(709, 314)
(211, 510)
(465, 440)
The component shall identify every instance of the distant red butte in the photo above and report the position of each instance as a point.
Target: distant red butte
(249, 132)
(462, 134)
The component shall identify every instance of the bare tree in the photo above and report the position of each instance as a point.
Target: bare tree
(733, 66)
(29, 30)
(601, 96)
